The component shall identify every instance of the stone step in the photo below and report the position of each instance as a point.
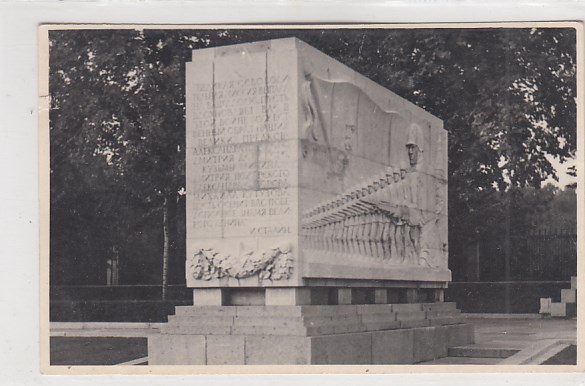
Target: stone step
(324, 329)
(226, 320)
(564, 310)
(332, 310)
(443, 314)
(446, 321)
(480, 350)
(305, 326)
(205, 310)
(569, 296)
(463, 361)
(574, 282)
(414, 307)
(439, 307)
(195, 329)
(438, 317)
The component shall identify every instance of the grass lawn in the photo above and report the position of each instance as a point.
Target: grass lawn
(567, 356)
(96, 351)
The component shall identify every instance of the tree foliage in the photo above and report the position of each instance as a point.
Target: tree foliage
(506, 96)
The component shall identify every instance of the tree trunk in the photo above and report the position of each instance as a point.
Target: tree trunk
(169, 239)
(166, 244)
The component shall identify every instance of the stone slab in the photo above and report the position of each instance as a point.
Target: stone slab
(343, 349)
(208, 297)
(381, 325)
(424, 344)
(460, 334)
(271, 311)
(463, 361)
(381, 296)
(416, 307)
(196, 329)
(482, 351)
(392, 347)
(545, 306)
(439, 306)
(377, 317)
(221, 320)
(364, 309)
(442, 314)
(287, 296)
(205, 311)
(412, 319)
(168, 349)
(569, 296)
(225, 350)
(446, 321)
(270, 330)
(440, 341)
(564, 310)
(277, 350)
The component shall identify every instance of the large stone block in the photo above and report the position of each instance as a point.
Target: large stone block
(440, 341)
(277, 350)
(545, 306)
(297, 168)
(167, 349)
(288, 296)
(460, 334)
(424, 343)
(569, 296)
(342, 349)
(225, 350)
(205, 311)
(439, 306)
(392, 347)
(209, 297)
(565, 310)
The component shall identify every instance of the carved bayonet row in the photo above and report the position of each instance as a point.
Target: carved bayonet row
(370, 219)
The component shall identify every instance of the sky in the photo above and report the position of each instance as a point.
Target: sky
(561, 168)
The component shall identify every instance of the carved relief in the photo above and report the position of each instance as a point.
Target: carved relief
(273, 264)
(335, 111)
(390, 217)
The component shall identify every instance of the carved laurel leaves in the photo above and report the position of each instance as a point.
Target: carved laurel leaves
(274, 264)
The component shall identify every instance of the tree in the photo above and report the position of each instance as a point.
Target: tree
(506, 96)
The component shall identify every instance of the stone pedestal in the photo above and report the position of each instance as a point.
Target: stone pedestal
(337, 334)
(316, 215)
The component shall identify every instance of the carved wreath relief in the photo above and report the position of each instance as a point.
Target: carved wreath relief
(273, 264)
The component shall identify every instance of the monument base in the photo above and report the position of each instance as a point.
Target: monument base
(313, 334)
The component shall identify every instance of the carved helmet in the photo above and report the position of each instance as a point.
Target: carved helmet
(415, 136)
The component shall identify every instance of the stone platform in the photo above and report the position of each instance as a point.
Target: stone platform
(336, 334)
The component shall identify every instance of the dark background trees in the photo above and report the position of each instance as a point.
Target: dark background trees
(506, 96)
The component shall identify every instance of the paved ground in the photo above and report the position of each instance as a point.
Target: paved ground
(502, 338)
(523, 331)
(106, 344)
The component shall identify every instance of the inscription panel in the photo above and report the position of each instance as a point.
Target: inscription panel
(255, 213)
(241, 166)
(247, 110)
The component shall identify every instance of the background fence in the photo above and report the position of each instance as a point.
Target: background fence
(546, 255)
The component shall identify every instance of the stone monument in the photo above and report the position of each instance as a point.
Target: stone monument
(316, 216)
